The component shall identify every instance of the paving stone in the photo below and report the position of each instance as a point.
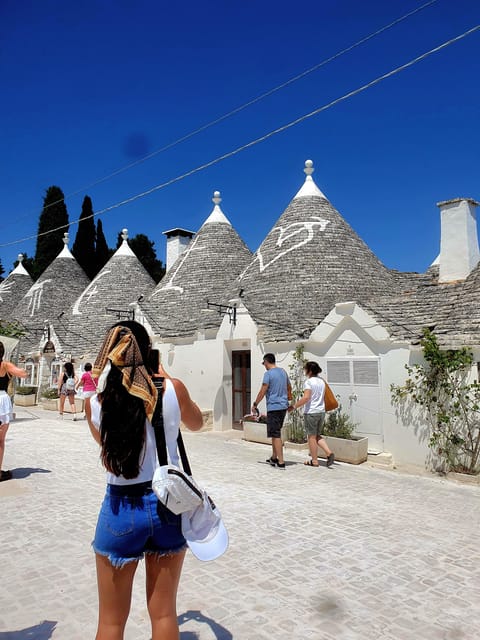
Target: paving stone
(349, 553)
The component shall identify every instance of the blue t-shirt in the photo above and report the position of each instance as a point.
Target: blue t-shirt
(277, 391)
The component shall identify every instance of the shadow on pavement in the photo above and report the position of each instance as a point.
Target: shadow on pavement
(42, 631)
(24, 472)
(220, 633)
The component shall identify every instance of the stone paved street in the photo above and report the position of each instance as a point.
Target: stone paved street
(346, 553)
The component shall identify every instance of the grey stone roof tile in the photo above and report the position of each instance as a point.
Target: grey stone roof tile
(206, 269)
(309, 261)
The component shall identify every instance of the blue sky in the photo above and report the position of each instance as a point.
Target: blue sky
(90, 87)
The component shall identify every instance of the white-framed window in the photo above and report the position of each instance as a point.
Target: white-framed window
(55, 371)
(32, 373)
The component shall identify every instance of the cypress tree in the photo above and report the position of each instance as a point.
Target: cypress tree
(54, 216)
(84, 246)
(142, 247)
(2, 270)
(102, 252)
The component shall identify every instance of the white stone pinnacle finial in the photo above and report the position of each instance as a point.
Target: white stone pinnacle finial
(124, 235)
(216, 197)
(65, 238)
(20, 258)
(309, 167)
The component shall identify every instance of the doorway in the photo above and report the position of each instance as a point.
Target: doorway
(241, 396)
(356, 383)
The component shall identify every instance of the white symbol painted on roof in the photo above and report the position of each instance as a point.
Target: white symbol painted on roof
(305, 230)
(90, 292)
(35, 294)
(5, 287)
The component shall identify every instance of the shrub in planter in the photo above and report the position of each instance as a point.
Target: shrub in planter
(25, 391)
(50, 393)
(339, 425)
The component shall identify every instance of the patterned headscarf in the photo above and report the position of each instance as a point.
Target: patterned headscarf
(120, 348)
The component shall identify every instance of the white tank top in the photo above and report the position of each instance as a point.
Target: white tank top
(148, 457)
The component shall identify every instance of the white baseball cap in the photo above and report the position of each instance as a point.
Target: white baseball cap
(205, 531)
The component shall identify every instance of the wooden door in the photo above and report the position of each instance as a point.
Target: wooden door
(241, 396)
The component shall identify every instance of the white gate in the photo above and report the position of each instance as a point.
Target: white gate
(356, 382)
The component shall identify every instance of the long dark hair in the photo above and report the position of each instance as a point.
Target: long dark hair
(2, 352)
(69, 370)
(122, 427)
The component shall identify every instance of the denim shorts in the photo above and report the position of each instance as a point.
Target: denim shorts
(133, 522)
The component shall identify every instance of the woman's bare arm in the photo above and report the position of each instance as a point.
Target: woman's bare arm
(190, 413)
(15, 371)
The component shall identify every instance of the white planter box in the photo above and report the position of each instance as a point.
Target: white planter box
(257, 432)
(25, 401)
(354, 451)
(53, 405)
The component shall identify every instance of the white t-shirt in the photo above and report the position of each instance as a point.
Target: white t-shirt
(148, 456)
(317, 399)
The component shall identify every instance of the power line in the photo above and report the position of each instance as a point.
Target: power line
(256, 141)
(251, 102)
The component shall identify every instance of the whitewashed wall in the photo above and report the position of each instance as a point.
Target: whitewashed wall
(205, 365)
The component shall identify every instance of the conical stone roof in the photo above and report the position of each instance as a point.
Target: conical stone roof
(50, 296)
(203, 272)
(309, 261)
(12, 290)
(105, 301)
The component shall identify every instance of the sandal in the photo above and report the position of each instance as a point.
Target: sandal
(309, 463)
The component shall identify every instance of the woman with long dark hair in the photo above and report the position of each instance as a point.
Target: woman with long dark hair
(7, 370)
(132, 524)
(66, 388)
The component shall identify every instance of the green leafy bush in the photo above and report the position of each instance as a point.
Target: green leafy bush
(339, 425)
(25, 390)
(49, 393)
(450, 402)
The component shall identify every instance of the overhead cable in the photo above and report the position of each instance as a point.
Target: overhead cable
(251, 102)
(256, 141)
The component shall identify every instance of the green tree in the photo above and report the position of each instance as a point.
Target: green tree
(102, 252)
(49, 242)
(449, 402)
(84, 246)
(12, 329)
(295, 426)
(2, 270)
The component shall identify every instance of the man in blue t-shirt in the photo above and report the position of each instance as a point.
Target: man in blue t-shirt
(278, 391)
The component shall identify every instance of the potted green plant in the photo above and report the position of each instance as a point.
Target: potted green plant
(49, 396)
(339, 433)
(25, 396)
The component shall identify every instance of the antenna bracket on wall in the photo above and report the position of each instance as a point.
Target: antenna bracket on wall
(224, 309)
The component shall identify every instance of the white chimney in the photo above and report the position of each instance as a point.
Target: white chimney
(459, 252)
(177, 241)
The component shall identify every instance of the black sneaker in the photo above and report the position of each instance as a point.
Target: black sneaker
(5, 475)
(280, 465)
(330, 459)
(273, 461)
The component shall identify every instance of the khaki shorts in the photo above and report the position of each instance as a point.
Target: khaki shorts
(314, 424)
